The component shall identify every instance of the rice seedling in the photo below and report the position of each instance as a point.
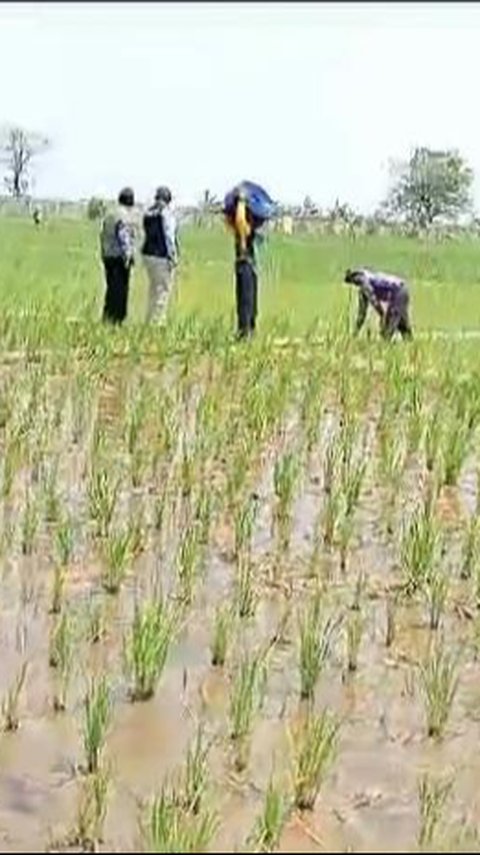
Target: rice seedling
(245, 594)
(188, 473)
(471, 548)
(11, 701)
(30, 523)
(97, 708)
(416, 416)
(360, 588)
(436, 592)
(433, 795)
(246, 697)
(332, 516)
(330, 464)
(266, 833)
(50, 493)
(456, 443)
(393, 460)
(138, 467)
(137, 530)
(221, 636)
(315, 639)
(11, 463)
(61, 657)
(168, 828)
(116, 558)
(91, 810)
(237, 473)
(160, 507)
(188, 560)
(103, 493)
(345, 531)
(58, 588)
(64, 541)
(244, 519)
(80, 406)
(314, 747)
(355, 627)
(96, 623)
(204, 509)
(438, 682)
(147, 644)
(433, 436)
(352, 478)
(196, 774)
(285, 477)
(419, 549)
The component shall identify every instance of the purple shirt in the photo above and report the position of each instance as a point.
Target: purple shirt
(381, 286)
(376, 289)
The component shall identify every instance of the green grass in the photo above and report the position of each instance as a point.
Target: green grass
(301, 276)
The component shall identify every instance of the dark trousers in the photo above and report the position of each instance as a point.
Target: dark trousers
(246, 286)
(397, 318)
(117, 276)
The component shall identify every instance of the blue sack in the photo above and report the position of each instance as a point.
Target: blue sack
(259, 204)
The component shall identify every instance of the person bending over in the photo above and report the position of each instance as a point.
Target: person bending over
(388, 295)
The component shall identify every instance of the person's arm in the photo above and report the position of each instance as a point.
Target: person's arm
(170, 231)
(125, 239)
(362, 311)
(370, 296)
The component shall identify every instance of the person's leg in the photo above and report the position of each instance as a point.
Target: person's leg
(253, 320)
(404, 324)
(390, 324)
(123, 276)
(244, 297)
(160, 285)
(149, 267)
(164, 289)
(109, 314)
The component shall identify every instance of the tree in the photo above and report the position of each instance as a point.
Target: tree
(430, 185)
(18, 148)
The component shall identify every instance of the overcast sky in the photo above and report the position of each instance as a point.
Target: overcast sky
(305, 98)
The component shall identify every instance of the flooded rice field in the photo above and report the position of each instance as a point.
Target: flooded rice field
(239, 606)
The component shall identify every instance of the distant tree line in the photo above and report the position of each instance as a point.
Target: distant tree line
(431, 186)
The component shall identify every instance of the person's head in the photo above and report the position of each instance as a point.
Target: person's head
(353, 277)
(126, 197)
(163, 196)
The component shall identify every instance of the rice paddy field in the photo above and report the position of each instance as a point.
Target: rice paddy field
(240, 582)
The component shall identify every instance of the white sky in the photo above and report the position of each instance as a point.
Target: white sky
(303, 97)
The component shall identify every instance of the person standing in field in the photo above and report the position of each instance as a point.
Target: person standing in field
(388, 295)
(160, 253)
(117, 239)
(246, 208)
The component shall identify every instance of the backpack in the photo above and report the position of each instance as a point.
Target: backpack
(260, 207)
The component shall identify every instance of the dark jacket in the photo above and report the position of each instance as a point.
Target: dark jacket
(160, 229)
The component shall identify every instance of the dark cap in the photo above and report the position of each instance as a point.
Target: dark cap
(163, 194)
(126, 197)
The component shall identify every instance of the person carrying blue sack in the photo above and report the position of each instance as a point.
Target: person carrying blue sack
(246, 209)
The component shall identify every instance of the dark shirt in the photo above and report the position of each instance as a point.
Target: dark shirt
(160, 228)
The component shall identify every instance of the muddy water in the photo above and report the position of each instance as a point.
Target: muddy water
(369, 799)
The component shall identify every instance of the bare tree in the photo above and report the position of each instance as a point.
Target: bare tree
(18, 148)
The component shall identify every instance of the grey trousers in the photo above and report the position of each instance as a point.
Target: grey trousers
(160, 283)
